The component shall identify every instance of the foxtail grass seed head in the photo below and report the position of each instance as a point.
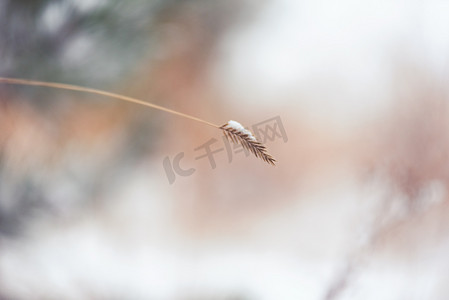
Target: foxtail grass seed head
(235, 132)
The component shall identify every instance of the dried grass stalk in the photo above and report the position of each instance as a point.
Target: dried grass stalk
(232, 130)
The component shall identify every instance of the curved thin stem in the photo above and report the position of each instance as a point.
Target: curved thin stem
(20, 81)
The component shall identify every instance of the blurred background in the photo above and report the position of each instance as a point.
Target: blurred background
(95, 202)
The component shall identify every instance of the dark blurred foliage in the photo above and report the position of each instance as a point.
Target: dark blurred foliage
(35, 35)
(32, 49)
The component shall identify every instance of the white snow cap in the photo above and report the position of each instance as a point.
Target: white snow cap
(237, 126)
